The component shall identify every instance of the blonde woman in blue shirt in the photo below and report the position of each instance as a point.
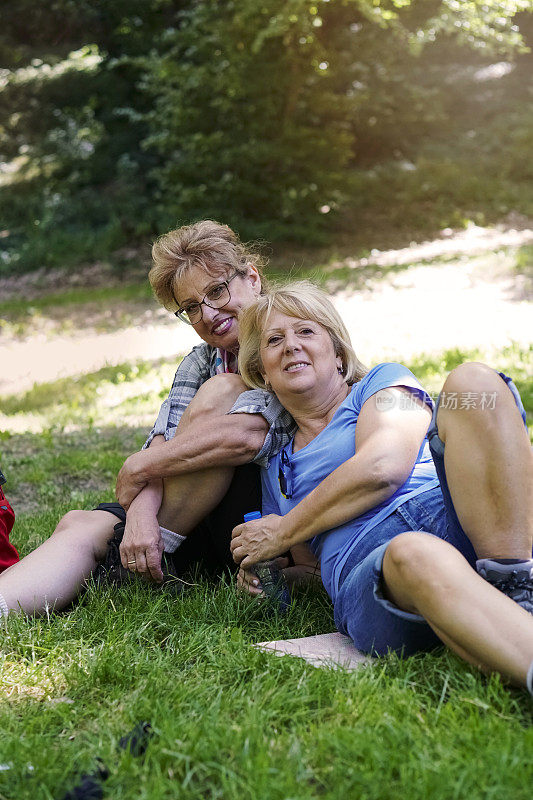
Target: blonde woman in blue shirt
(414, 551)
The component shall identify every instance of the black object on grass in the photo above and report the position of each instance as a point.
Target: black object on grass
(90, 785)
(136, 741)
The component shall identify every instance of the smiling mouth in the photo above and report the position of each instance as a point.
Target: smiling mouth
(296, 367)
(222, 327)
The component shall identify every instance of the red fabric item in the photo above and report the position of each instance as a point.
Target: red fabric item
(8, 554)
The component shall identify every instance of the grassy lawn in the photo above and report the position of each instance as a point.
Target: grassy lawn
(229, 721)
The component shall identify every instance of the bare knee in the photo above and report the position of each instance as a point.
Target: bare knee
(474, 396)
(473, 377)
(73, 520)
(414, 565)
(411, 553)
(216, 396)
(95, 527)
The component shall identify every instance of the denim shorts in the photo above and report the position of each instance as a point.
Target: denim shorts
(362, 612)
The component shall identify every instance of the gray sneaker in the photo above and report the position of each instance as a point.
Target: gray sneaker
(515, 579)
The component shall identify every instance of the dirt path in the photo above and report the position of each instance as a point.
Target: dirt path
(468, 302)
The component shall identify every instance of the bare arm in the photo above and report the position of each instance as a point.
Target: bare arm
(387, 444)
(228, 440)
(142, 541)
(225, 440)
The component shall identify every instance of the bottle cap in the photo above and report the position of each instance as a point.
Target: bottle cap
(252, 515)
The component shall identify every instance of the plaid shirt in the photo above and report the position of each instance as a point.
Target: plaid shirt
(196, 368)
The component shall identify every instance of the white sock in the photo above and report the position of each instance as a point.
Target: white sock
(4, 609)
(529, 679)
(171, 540)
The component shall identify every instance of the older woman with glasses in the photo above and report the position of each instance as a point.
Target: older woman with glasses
(192, 482)
(414, 551)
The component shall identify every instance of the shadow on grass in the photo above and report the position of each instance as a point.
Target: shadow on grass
(56, 471)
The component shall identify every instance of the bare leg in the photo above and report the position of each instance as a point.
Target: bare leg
(53, 574)
(427, 576)
(489, 465)
(188, 498)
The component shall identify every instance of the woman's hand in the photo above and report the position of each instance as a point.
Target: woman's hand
(305, 568)
(258, 540)
(142, 546)
(130, 481)
(247, 581)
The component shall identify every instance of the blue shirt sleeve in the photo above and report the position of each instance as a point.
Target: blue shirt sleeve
(383, 376)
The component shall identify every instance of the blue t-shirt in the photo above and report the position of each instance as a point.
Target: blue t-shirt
(334, 445)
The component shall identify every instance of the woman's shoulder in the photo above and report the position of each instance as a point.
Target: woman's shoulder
(386, 370)
(386, 367)
(201, 353)
(196, 366)
(381, 376)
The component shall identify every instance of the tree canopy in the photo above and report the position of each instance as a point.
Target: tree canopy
(121, 119)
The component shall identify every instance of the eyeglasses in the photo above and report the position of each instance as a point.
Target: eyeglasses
(285, 476)
(217, 297)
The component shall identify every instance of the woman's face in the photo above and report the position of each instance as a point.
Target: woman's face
(298, 356)
(218, 327)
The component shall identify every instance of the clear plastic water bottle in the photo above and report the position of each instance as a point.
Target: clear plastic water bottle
(271, 577)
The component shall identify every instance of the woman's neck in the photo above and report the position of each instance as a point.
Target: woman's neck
(312, 415)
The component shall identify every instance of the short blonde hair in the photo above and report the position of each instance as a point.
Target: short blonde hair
(303, 300)
(207, 244)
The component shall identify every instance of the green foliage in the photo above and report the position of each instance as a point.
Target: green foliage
(71, 126)
(250, 116)
(121, 119)
(261, 112)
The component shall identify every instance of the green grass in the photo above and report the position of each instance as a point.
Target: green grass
(229, 721)
(82, 392)
(104, 308)
(17, 308)
(121, 394)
